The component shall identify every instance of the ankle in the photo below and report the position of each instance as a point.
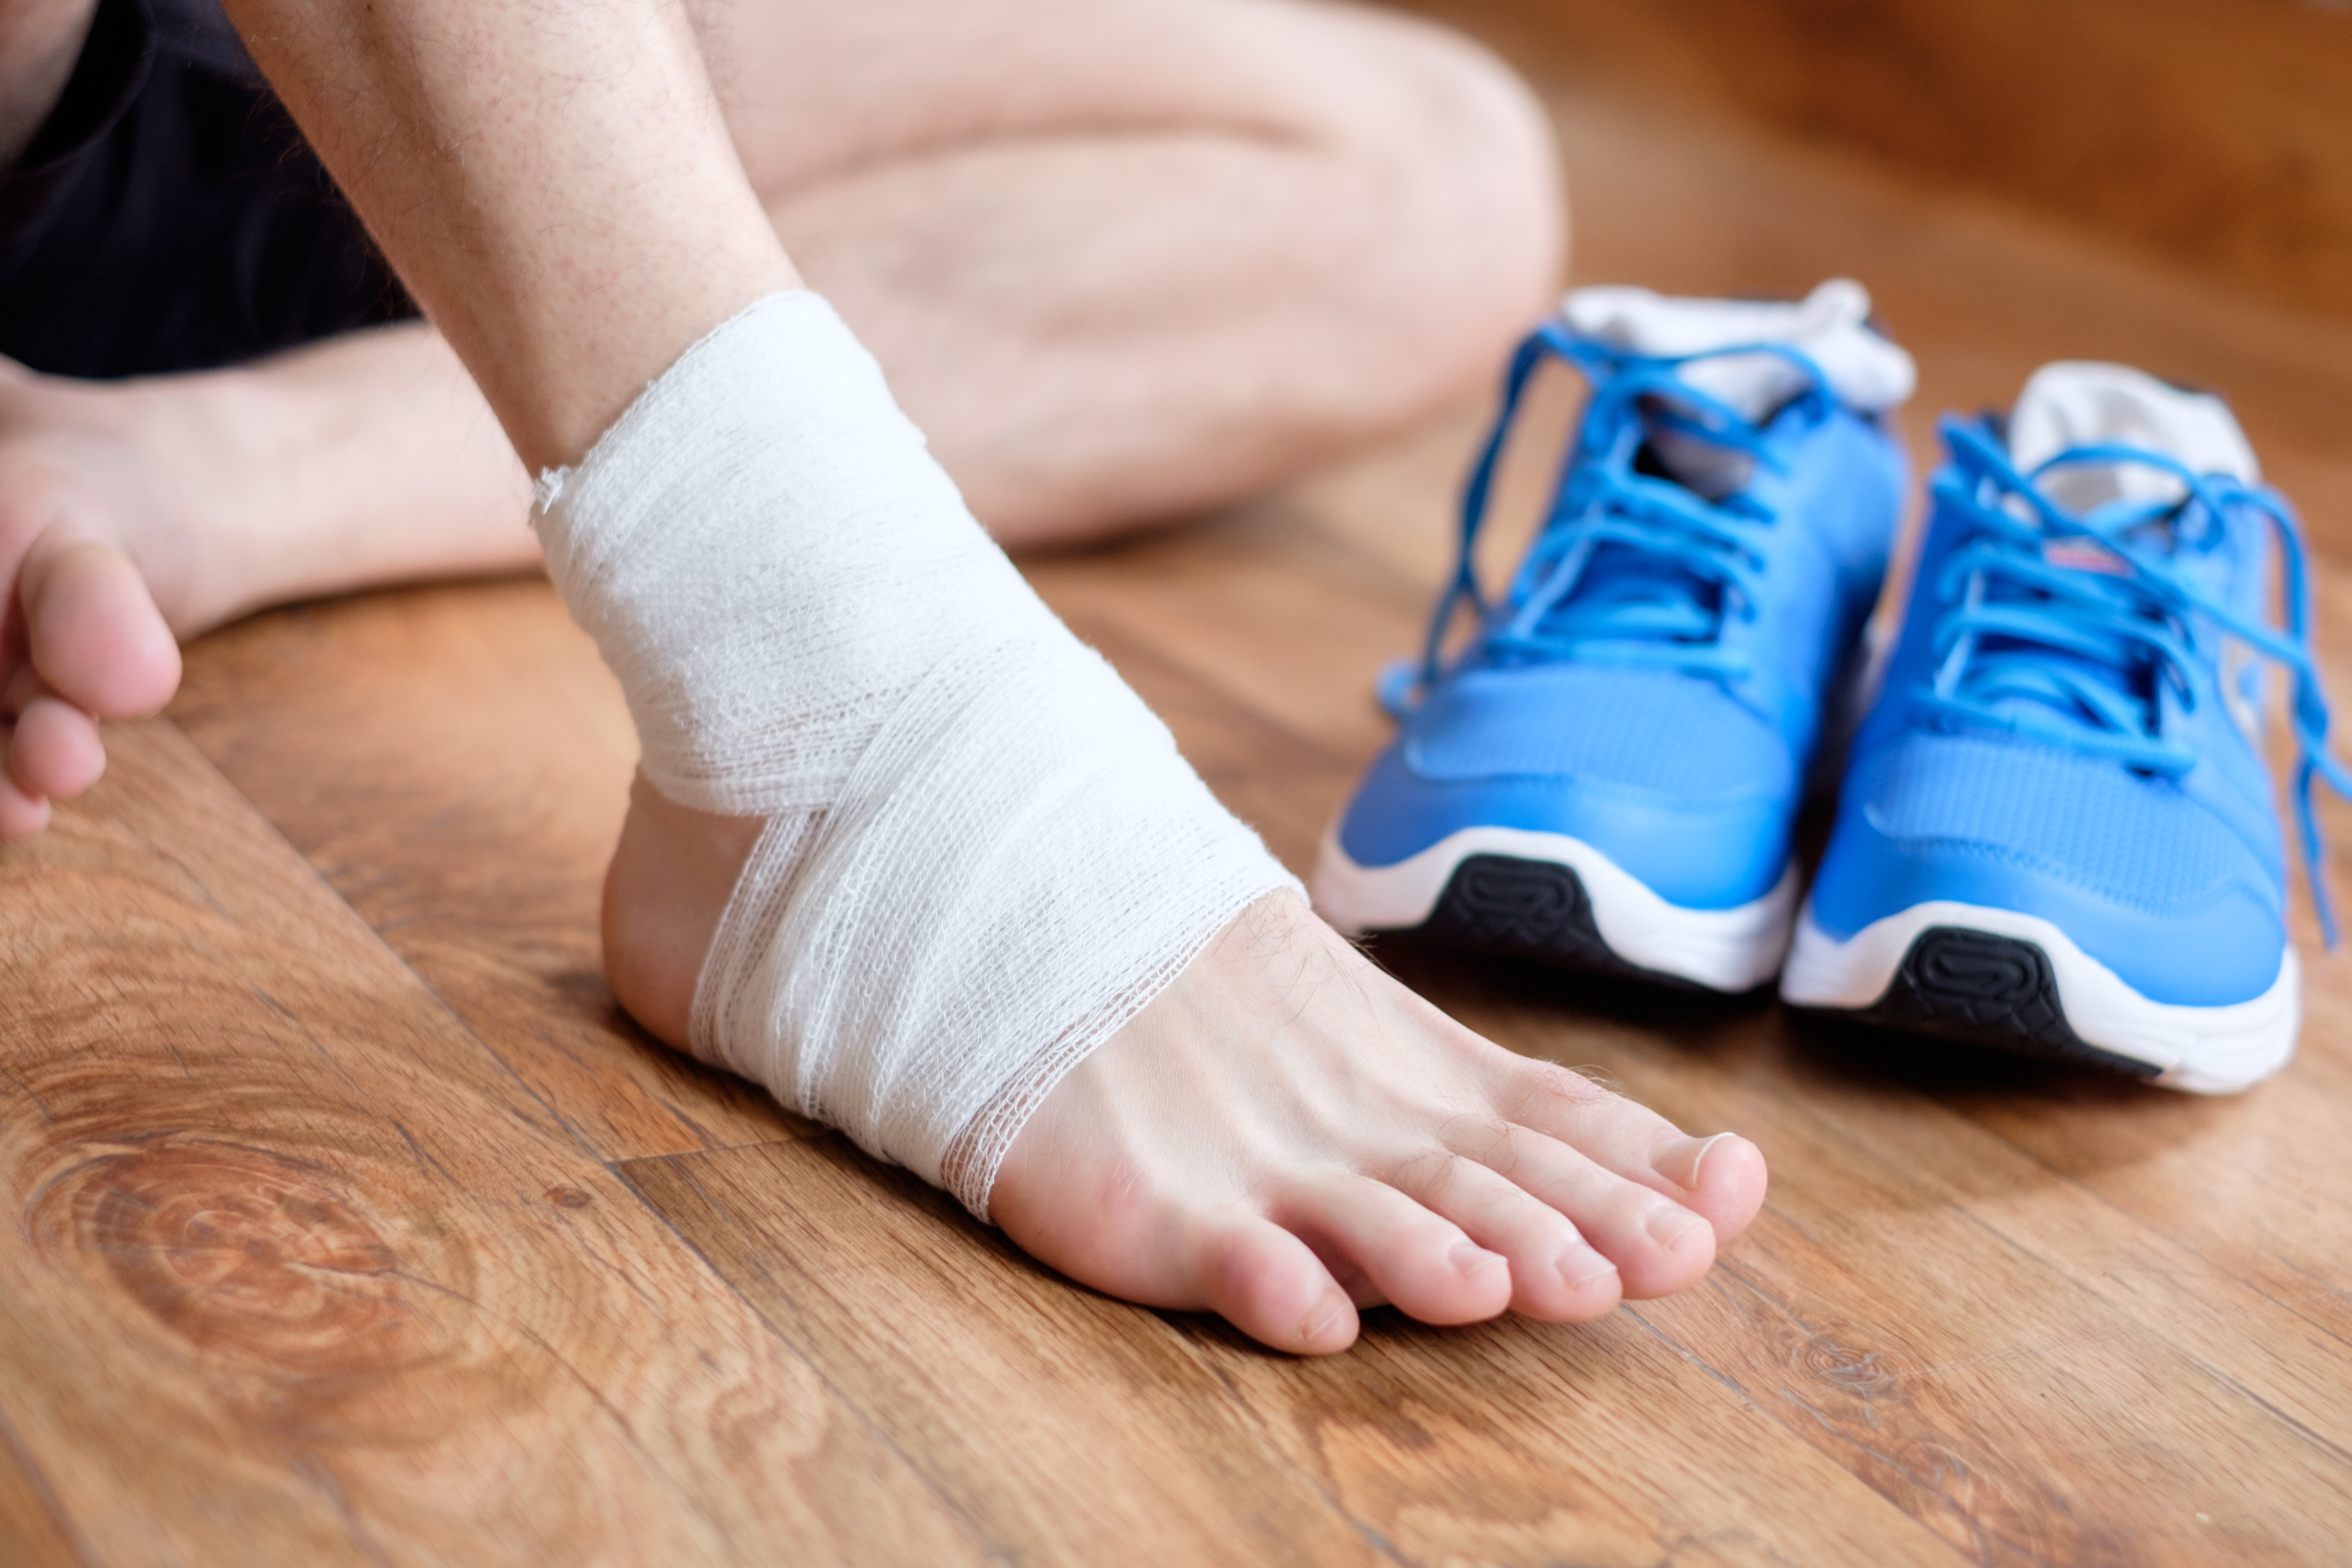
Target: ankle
(672, 873)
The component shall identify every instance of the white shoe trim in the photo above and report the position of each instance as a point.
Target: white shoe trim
(2203, 1051)
(1727, 949)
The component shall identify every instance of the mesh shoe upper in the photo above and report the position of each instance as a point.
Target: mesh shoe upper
(1653, 681)
(2068, 728)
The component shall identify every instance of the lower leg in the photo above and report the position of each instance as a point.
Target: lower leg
(559, 326)
(1142, 266)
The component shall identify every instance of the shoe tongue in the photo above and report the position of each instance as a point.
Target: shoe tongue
(2079, 403)
(1829, 326)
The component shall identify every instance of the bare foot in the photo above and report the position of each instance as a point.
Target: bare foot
(81, 636)
(1285, 1135)
(135, 513)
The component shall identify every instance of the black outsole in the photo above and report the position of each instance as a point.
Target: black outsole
(1535, 910)
(1987, 990)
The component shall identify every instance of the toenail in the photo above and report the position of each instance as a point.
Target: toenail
(1583, 1266)
(1310, 1332)
(1668, 1225)
(1469, 1258)
(1679, 1159)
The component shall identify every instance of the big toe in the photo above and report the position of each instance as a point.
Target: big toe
(1721, 1177)
(1719, 1180)
(94, 631)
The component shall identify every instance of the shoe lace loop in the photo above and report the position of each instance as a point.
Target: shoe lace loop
(1631, 568)
(2074, 629)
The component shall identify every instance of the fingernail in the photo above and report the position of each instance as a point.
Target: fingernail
(1469, 1258)
(1679, 1159)
(1583, 1266)
(1668, 1225)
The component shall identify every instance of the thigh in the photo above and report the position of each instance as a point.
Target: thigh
(814, 89)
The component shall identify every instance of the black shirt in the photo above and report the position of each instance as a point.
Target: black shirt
(169, 216)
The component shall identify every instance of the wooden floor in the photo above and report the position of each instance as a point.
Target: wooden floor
(355, 1225)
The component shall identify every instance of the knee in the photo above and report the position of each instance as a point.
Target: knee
(1464, 218)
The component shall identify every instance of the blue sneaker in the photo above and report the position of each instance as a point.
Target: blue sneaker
(1606, 776)
(2056, 834)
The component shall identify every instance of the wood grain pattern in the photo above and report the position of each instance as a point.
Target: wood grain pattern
(2215, 132)
(1513, 1443)
(299, 1264)
(456, 764)
(356, 1224)
(34, 1530)
(1061, 1421)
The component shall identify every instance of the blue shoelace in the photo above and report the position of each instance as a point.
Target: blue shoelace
(1631, 569)
(2082, 656)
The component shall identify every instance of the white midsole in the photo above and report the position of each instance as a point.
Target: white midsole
(1727, 949)
(2205, 1050)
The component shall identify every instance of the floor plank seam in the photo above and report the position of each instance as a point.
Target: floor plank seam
(2326, 1289)
(2334, 1450)
(448, 1009)
(581, 1145)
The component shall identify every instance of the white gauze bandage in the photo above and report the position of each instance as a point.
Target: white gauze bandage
(983, 854)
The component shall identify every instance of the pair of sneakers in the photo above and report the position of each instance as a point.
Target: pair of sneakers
(2055, 831)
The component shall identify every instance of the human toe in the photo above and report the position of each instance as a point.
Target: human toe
(1722, 1177)
(22, 815)
(1658, 1245)
(1270, 1285)
(1556, 1273)
(54, 753)
(94, 631)
(1416, 1260)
